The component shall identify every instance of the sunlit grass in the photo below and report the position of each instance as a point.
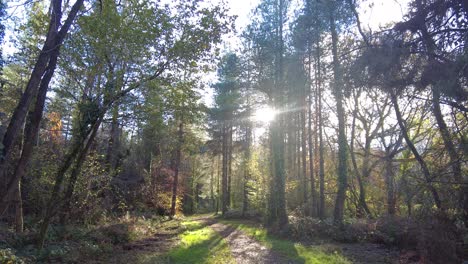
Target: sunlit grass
(192, 225)
(200, 245)
(290, 249)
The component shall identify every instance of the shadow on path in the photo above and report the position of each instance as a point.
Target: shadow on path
(245, 249)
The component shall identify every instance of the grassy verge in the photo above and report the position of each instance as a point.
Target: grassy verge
(80, 243)
(294, 251)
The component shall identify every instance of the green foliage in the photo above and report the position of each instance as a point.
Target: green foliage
(8, 257)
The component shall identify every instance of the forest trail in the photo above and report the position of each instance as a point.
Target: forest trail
(249, 242)
(244, 249)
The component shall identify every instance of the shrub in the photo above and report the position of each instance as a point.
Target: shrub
(8, 256)
(396, 231)
(439, 241)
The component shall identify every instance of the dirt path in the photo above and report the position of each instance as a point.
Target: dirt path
(245, 249)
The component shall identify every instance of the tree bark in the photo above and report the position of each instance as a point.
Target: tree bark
(313, 204)
(321, 204)
(76, 171)
(19, 223)
(113, 147)
(362, 207)
(422, 163)
(455, 162)
(390, 182)
(338, 213)
(176, 168)
(54, 40)
(247, 176)
(304, 148)
(31, 132)
(224, 178)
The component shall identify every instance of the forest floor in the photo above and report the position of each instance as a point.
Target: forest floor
(197, 239)
(206, 239)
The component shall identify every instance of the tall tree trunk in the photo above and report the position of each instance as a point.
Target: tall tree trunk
(304, 148)
(224, 180)
(247, 174)
(218, 196)
(390, 182)
(298, 163)
(76, 171)
(277, 199)
(113, 146)
(444, 132)
(313, 191)
(321, 204)
(31, 132)
(54, 39)
(313, 204)
(279, 135)
(229, 157)
(79, 150)
(455, 161)
(342, 166)
(19, 223)
(176, 168)
(362, 208)
(212, 198)
(52, 204)
(422, 163)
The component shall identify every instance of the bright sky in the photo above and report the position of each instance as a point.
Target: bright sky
(373, 13)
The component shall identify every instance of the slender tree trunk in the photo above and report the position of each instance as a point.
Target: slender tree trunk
(52, 204)
(422, 163)
(77, 150)
(176, 168)
(245, 203)
(304, 148)
(362, 208)
(342, 166)
(113, 147)
(449, 146)
(277, 202)
(229, 158)
(54, 39)
(18, 210)
(224, 180)
(298, 163)
(212, 198)
(313, 204)
(76, 171)
(321, 205)
(390, 182)
(218, 196)
(279, 133)
(313, 191)
(31, 133)
(454, 157)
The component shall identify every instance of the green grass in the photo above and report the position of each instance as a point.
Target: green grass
(290, 249)
(200, 244)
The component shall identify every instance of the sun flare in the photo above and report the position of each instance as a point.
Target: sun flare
(265, 114)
